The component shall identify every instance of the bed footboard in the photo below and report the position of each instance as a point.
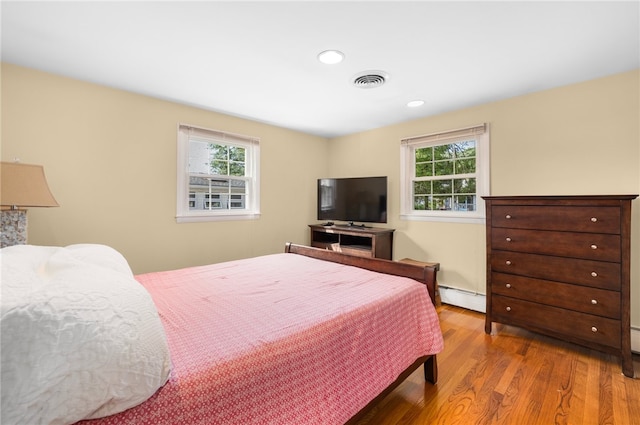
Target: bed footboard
(422, 274)
(425, 275)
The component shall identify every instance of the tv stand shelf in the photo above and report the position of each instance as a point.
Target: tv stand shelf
(354, 240)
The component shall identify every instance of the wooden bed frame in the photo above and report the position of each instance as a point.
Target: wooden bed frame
(425, 275)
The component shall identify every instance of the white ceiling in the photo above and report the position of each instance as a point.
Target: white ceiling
(258, 59)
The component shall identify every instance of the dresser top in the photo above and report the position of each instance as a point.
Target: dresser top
(563, 197)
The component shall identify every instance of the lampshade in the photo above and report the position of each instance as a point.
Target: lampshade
(24, 185)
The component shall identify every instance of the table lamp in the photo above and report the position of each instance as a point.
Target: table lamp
(22, 186)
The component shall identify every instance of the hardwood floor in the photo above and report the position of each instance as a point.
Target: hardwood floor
(513, 377)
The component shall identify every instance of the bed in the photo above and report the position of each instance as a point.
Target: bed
(307, 336)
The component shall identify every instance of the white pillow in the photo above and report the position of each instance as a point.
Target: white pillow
(81, 338)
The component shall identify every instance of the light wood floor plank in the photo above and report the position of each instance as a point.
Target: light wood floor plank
(632, 389)
(512, 377)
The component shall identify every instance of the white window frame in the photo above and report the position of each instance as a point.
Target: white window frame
(252, 175)
(408, 146)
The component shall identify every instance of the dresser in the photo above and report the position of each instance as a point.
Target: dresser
(560, 266)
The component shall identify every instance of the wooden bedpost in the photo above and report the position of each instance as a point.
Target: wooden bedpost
(431, 370)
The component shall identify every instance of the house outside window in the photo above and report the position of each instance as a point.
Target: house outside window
(445, 175)
(218, 175)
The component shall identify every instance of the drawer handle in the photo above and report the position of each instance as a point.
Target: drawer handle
(594, 246)
(508, 262)
(508, 239)
(594, 274)
(508, 285)
(508, 217)
(594, 329)
(508, 308)
(594, 219)
(594, 302)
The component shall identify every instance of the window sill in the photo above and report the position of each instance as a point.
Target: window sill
(444, 218)
(203, 218)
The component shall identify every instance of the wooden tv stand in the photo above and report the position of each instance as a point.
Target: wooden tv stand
(372, 242)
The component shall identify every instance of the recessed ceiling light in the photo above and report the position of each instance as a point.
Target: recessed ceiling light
(415, 103)
(331, 57)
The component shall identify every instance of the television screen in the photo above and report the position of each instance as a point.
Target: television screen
(355, 199)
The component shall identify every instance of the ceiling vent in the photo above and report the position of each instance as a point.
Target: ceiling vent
(370, 79)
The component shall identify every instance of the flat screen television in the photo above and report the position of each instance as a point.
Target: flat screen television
(353, 199)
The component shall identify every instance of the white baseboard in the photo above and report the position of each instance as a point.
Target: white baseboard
(464, 299)
(477, 302)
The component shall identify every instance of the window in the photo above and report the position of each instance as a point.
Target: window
(445, 175)
(218, 175)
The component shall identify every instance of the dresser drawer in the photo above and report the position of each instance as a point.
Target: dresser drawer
(598, 274)
(586, 327)
(573, 297)
(561, 218)
(592, 246)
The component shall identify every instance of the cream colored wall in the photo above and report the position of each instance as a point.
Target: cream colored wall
(110, 160)
(578, 139)
(109, 156)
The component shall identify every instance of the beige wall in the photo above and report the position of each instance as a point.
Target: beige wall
(578, 139)
(110, 159)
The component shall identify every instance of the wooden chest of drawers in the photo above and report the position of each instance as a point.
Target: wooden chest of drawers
(560, 265)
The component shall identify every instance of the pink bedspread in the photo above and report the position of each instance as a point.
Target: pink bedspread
(282, 339)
